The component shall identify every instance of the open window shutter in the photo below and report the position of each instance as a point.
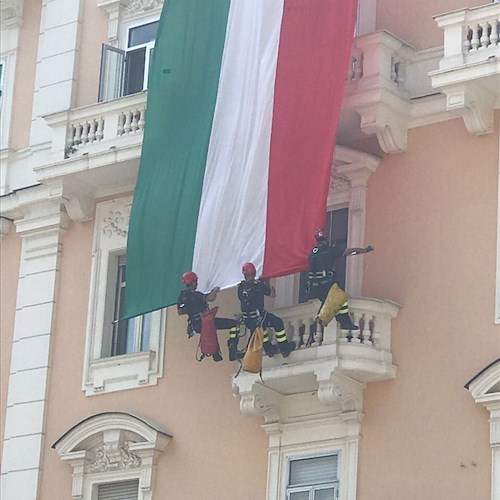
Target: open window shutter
(111, 77)
(123, 490)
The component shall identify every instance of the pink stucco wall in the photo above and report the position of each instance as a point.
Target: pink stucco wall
(10, 253)
(214, 451)
(432, 219)
(94, 33)
(22, 106)
(412, 21)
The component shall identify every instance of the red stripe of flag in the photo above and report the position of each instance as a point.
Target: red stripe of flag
(314, 52)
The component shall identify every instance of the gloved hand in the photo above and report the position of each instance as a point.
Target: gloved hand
(369, 248)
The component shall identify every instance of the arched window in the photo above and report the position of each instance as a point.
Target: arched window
(112, 454)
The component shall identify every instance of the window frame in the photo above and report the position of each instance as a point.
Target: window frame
(102, 372)
(312, 488)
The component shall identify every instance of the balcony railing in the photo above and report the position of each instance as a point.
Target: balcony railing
(98, 127)
(469, 72)
(314, 367)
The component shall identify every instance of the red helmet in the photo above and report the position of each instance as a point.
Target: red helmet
(320, 234)
(189, 277)
(249, 269)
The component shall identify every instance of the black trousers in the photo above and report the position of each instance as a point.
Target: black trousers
(270, 320)
(220, 324)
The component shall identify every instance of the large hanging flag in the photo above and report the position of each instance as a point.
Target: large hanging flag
(243, 103)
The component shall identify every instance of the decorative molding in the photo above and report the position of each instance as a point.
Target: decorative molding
(135, 6)
(114, 456)
(11, 13)
(116, 223)
(388, 124)
(5, 225)
(477, 107)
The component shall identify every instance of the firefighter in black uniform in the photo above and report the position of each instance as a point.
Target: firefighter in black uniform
(251, 292)
(193, 303)
(322, 274)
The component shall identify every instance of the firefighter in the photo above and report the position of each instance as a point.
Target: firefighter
(251, 292)
(322, 274)
(193, 303)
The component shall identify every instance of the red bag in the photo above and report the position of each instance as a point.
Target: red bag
(209, 344)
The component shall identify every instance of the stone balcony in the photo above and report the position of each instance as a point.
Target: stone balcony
(469, 72)
(327, 374)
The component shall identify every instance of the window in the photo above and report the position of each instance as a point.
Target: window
(336, 230)
(125, 71)
(113, 456)
(313, 478)
(131, 335)
(118, 354)
(124, 490)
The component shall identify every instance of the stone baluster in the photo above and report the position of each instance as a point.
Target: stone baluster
(467, 41)
(142, 119)
(494, 32)
(128, 123)
(100, 129)
(293, 334)
(135, 120)
(92, 130)
(78, 135)
(350, 71)
(121, 124)
(70, 141)
(85, 133)
(374, 328)
(475, 37)
(358, 68)
(485, 39)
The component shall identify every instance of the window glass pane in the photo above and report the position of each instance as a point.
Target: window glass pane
(111, 77)
(336, 230)
(134, 71)
(142, 34)
(299, 495)
(325, 494)
(146, 331)
(313, 471)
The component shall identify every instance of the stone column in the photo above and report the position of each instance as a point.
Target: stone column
(41, 230)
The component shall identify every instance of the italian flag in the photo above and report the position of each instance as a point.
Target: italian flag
(243, 103)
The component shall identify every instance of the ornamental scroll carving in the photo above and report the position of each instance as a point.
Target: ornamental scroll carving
(135, 6)
(114, 456)
(339, 184)
(116, 223)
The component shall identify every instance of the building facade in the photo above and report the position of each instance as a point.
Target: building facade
(406, 408)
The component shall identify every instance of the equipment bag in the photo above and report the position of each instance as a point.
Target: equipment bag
(209, 344)
(334, 300)
(252, 361)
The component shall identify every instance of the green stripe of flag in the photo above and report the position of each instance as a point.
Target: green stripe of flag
(180, 107)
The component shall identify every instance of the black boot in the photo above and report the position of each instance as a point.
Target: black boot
(286, 348)
(346, 322)
(269, 348)
(217, 356)
(234, 354)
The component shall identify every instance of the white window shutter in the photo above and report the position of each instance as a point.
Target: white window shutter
(123, 490)
(112, 71)
(313, 471)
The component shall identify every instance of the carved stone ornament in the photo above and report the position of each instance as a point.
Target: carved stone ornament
(339, 184)
(116, 223)
(114, 456)
(252, 405)
(142, 5)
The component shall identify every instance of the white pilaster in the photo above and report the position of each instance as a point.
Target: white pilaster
(57, 63)
(41, 231)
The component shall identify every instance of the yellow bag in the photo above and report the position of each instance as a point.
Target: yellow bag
(334, 300)
(252, 361)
